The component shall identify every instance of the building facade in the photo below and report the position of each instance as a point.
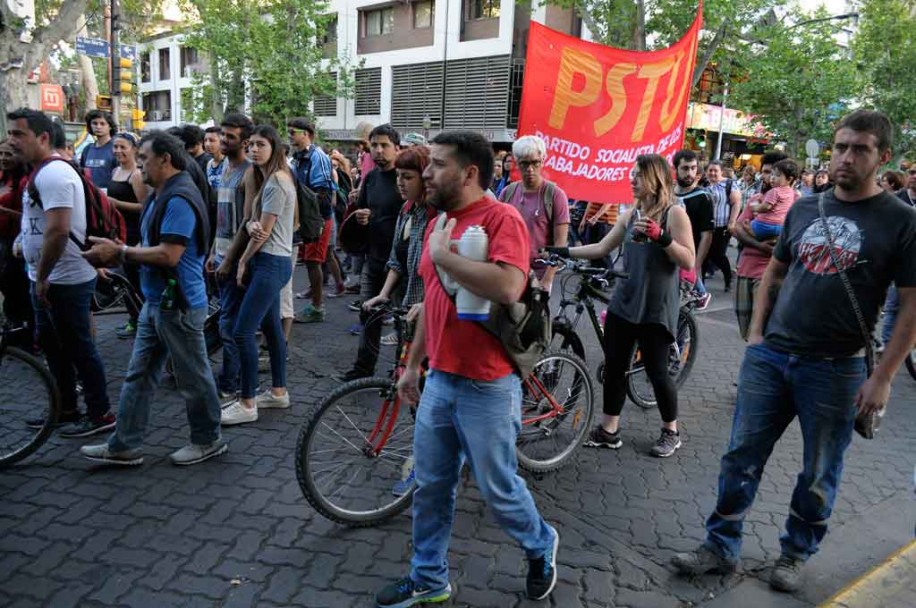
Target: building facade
(166, 68)
(425, 65)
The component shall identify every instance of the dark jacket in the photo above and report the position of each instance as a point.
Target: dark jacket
(181, 185)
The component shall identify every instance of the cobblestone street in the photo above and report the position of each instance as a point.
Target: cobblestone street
(236, 531)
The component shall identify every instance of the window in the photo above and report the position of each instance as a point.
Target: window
(380, 22)
(369, 92)
(326, 105)
(422, 14)
(158, 106)
(165, 67)
(330, 33)
(483, 9)
(145, 71)
(189, 61)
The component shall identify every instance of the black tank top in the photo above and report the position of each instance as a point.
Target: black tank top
(123, 191)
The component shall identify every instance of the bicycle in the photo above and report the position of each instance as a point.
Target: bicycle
(354, 456)
(911, 363)
(27, 391)
(592, 283)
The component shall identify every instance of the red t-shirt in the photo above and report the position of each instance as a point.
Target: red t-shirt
(465, 348)
(9, 225)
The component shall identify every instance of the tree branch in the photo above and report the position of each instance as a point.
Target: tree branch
(708, 53)
(587, 18)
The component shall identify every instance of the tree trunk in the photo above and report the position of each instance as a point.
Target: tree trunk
(87, 73)
(703, 60)
(639, 35)
(216, 105)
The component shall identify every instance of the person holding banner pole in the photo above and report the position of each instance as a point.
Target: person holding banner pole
(657, 242)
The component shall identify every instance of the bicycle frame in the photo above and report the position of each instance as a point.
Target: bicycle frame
(583, 300)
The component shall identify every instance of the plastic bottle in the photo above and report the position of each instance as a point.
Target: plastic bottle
(474, 244)
(169, 295)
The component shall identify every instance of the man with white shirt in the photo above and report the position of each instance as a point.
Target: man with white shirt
(53, 223)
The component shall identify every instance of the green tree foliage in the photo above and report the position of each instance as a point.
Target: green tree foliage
(268, 52)
(652, 24)
(885, 54)
(797, 78)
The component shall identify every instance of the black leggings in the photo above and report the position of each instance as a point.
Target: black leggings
(654, 340)
(718, 254)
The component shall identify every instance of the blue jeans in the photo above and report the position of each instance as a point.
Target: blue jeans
(763, 230)
(230, 299)
(261, 307)
(65, 336)
(891, 309)
(162, 334)
(460, 419)
(773, 388)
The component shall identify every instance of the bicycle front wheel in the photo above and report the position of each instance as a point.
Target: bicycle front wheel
(911, 363)
(29, 405)
(354, 457)
(681, 356)
(558, 399)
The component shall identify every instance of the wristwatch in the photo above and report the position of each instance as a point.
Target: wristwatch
(122, 253)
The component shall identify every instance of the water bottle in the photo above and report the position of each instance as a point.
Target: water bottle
(474, 244)
(169, 295)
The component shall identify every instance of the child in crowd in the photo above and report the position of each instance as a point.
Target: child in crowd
(770, 209)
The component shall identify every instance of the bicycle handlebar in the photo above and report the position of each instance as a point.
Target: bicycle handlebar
(582, 267)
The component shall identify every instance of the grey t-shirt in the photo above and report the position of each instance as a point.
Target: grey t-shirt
(875, 242)
(230, 206)
(279, 198)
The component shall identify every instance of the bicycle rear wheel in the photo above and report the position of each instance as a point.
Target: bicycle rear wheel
(681, 356)
(911, 363)
(558, 399)
(354, 457)
(27, 392)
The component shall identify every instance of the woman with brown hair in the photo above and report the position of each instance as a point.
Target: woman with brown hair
(657, 242)
(264, 268)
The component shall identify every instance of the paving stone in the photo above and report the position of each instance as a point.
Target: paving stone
(118, 584)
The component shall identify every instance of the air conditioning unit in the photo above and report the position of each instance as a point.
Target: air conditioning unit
(155, 115)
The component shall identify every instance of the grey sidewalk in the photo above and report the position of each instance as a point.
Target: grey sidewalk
(236, 531)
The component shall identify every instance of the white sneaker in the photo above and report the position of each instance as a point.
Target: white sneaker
(238, 414)
(267, 400)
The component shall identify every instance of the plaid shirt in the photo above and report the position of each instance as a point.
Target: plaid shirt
(418, 216)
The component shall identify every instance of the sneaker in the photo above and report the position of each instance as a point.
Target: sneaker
(728, 287)
(63, 419)
(703, 301)
(701, 561)
(340, 291)
(355, 305)
(542, 572)
(226, 397)
(356, 329)
(667, 444)
(405, 592)
(786, 574)
(353, 289)
(408, 478)
(310, 314)
(194, 453)
(302, 295)
(88, 426)
(102, 453)
(351, 375)
(237, 414)
(390, 339)
(128, 331)
(388, 320)
(599, 438)
(266, 401)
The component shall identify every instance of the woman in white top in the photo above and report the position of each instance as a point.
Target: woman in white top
(264, 268)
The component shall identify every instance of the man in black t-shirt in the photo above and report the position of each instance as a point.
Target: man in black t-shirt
(378, 206)
(806, 353)
(699, 208)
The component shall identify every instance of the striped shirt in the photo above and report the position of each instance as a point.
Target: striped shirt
(608, 217)
(721, 205)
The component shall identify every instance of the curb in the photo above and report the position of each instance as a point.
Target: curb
(887, 584)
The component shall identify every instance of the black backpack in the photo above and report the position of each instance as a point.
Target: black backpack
(310, 220)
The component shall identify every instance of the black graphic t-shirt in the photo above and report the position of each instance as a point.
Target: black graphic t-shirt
(875, 243)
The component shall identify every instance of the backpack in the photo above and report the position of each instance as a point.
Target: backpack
(310, 220)
(103, 219)
(524, 327)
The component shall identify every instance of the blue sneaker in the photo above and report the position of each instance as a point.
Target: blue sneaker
(405, 592)
(404, 486)
(542, 572)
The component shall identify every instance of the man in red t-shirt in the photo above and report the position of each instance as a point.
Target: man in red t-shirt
(471, 405)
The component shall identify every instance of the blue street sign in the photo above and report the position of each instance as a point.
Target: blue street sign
(129, 52)
(92, 47)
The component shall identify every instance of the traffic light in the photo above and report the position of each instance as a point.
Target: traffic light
(123, 77)
(103, 102)
(137, 116)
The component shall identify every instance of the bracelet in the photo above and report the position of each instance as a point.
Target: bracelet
(122, 253)
(664, 239)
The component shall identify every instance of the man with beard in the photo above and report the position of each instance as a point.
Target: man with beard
(698, 205)
(378, 206)
(755, 254)
(808, 344)
(471, 405)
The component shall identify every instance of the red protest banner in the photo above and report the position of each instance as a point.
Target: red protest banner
(598, 108)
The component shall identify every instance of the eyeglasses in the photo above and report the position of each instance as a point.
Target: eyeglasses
(912, 171)
(524, 165)
(295, 131)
